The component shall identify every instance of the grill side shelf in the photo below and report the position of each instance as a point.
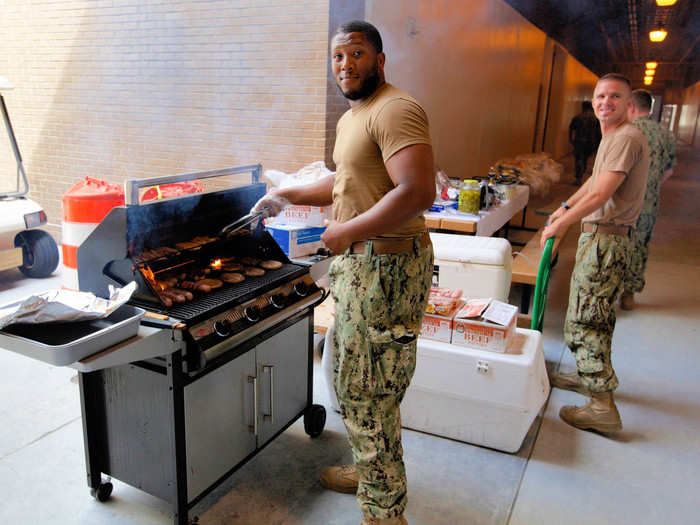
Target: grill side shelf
(149, 342)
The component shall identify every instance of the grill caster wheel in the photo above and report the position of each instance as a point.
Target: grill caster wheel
(320, 347)
(314, 420)
(102, 492)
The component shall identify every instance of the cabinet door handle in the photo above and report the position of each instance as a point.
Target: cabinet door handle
(254, 426)
(271, 415)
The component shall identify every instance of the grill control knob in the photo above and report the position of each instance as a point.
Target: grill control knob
(222, 327)
(301, 289)
(278, 300)
(252, 313)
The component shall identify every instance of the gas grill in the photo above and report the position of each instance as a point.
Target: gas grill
(211, 379)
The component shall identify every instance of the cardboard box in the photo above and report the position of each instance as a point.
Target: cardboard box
(438, 327)
(304, 216)
(297, 241)
(484, 334)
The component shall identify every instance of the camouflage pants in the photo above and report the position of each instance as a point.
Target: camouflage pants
(379, 306)
(602, 261)
(634, 282)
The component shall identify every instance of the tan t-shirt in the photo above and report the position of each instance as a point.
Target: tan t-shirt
(366, 137)
(625, 149)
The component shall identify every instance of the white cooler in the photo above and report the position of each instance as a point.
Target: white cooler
(480, 397)
(479, 266)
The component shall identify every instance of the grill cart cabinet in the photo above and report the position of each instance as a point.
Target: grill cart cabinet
(177, 435)
(224, 422)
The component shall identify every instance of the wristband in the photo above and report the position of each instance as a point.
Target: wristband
(565, 205)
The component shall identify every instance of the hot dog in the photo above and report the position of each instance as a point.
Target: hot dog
(167, 302)
(176, 297)
(188, 295)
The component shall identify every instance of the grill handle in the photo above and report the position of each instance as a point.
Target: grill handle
(132, 186)
(271, 415)
(254, 426)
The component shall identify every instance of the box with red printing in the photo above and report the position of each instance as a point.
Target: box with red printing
(477, 332)
(438, 327)
(298, 215)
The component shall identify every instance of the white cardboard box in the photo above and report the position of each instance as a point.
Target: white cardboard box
(298, 215)
(476, 396)
(484, 334)
(297, 241)
(438, 327)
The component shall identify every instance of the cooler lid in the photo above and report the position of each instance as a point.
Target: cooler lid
(494, 251)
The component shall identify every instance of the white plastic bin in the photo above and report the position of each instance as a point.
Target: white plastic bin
(480, 397)
(327, 368)
(476, 396)
(479, 266)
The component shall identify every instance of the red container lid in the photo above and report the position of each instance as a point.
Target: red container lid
(90, 200)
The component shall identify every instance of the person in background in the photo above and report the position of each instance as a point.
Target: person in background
(584, 135)
(381, 276)
(608, 204)
(662, 148)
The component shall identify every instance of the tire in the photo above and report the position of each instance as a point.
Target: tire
(39, 253)
(315, 420)
(320, 347)
(102, 492)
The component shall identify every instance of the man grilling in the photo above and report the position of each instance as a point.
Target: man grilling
(381, 276)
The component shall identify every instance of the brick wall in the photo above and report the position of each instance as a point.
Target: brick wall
(339, 11)
(119, 89)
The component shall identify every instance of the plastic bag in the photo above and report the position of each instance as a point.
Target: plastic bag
(306, 175)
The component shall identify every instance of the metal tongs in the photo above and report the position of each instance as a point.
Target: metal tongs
(242, 222)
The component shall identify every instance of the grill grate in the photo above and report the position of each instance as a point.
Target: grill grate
(228, 295)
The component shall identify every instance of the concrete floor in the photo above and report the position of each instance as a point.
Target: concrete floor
(648, 474)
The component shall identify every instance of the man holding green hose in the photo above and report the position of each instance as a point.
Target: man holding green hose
(608, 205)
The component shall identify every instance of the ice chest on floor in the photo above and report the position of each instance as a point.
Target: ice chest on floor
(480, 397)
(479, 266)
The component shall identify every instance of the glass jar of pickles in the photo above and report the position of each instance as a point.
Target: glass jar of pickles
(469, 196)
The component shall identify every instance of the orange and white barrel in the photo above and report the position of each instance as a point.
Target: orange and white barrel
(84, 206)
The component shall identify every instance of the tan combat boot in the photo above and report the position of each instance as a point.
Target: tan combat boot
(627, 301)
(369, 520)
(340, 479)
(568, 381)
(599, 414)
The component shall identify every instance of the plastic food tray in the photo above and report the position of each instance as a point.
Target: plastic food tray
(61, 344)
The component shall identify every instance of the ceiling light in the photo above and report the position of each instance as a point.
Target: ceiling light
(665, 3)
(651, 65)
(650, 72)
(647, 81)
(657, 35)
